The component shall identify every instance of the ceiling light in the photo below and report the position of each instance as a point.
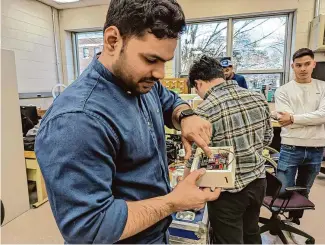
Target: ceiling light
(66, 1)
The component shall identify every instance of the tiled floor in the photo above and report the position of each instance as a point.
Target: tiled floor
(38, 225)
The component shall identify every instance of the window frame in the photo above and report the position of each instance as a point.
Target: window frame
(285, 71)
(83, 53)
(261, 73)
(179, 43)
(75, 47)
(99, 50)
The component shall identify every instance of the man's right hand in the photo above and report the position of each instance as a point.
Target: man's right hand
(187, 195)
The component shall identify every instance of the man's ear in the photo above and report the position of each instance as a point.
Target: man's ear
(198, 83)
(314, 65)
(292, 66)
(112, 39)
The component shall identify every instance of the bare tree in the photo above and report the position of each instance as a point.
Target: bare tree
(249, 51)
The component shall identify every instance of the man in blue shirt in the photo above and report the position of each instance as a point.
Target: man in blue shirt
(101, 145)
(228, 70)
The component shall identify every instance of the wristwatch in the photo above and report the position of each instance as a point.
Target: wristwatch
(185, 113)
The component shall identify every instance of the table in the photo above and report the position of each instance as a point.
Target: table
(34, 174)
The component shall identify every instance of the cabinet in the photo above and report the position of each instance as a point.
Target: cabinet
(178, 85)
(14, 191)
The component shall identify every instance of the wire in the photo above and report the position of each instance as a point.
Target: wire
(218, 151)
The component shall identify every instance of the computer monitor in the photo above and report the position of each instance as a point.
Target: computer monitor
(30, 112)
(319, 71)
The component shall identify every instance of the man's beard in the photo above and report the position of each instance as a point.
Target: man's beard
(126, 80)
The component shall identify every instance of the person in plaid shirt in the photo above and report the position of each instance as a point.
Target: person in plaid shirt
(239, 118)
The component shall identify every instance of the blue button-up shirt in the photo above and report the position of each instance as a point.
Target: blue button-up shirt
(98, 147)
(240, 80)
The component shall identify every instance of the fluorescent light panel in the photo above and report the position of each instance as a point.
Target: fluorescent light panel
(66, 1)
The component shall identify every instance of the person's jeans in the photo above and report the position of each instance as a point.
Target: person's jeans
(234, 216)
(303, 162)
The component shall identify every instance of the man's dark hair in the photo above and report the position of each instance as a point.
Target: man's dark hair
(206, 69)
(303, 52)
(163, 18)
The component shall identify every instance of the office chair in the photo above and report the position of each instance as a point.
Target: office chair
(2, 212)
(280, 205)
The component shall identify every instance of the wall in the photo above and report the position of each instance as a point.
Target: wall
(94, 17)
(27, 29)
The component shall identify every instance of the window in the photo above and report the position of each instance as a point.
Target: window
(87, 44)
(259, 50)
(85, 52)
(256, 81)
(97, 50)
(202, 38)
(257, 47)
(259, 43)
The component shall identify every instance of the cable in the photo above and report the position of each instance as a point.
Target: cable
(218, 151)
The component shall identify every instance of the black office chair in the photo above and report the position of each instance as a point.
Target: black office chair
(2, 212)
(279, 205)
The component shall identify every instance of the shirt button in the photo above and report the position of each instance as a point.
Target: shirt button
(149, 123)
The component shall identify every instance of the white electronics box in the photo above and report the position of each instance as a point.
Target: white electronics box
(220, 167)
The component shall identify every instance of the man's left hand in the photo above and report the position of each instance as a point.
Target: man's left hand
(196, 130)
(284, 119)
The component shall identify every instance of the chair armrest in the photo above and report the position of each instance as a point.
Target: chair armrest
(295, 188)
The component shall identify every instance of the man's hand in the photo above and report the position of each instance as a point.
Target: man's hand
(187, 195)
(198, 130)
(284, 119)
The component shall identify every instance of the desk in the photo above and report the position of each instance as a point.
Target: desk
(275, 124)
(34, 174)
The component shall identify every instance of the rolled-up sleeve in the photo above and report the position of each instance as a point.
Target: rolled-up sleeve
(169, 101)
(76, 153)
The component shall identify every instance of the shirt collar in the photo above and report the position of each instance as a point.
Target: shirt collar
(101, 69)
(107, 74)
(224, 85)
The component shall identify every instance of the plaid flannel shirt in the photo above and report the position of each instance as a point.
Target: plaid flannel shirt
(239, 118)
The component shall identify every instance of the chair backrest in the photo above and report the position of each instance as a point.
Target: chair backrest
(2, 212)
(273, 186)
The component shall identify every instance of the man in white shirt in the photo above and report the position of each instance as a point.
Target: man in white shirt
(300, 106)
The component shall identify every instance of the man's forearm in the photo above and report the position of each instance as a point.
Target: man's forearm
(310, 119)
(143, 214)
(177, 113)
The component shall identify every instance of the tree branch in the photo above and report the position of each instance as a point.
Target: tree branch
(261, 38)
(240, 32)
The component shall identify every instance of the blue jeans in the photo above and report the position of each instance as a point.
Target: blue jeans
(303, 162)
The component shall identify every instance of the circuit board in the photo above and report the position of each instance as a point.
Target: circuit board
(218, 161)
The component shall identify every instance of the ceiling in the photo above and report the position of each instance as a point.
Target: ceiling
(81, 3)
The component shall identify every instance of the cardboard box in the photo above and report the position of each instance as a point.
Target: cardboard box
(223, 163)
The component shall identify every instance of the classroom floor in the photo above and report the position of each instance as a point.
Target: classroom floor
(38, 225)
